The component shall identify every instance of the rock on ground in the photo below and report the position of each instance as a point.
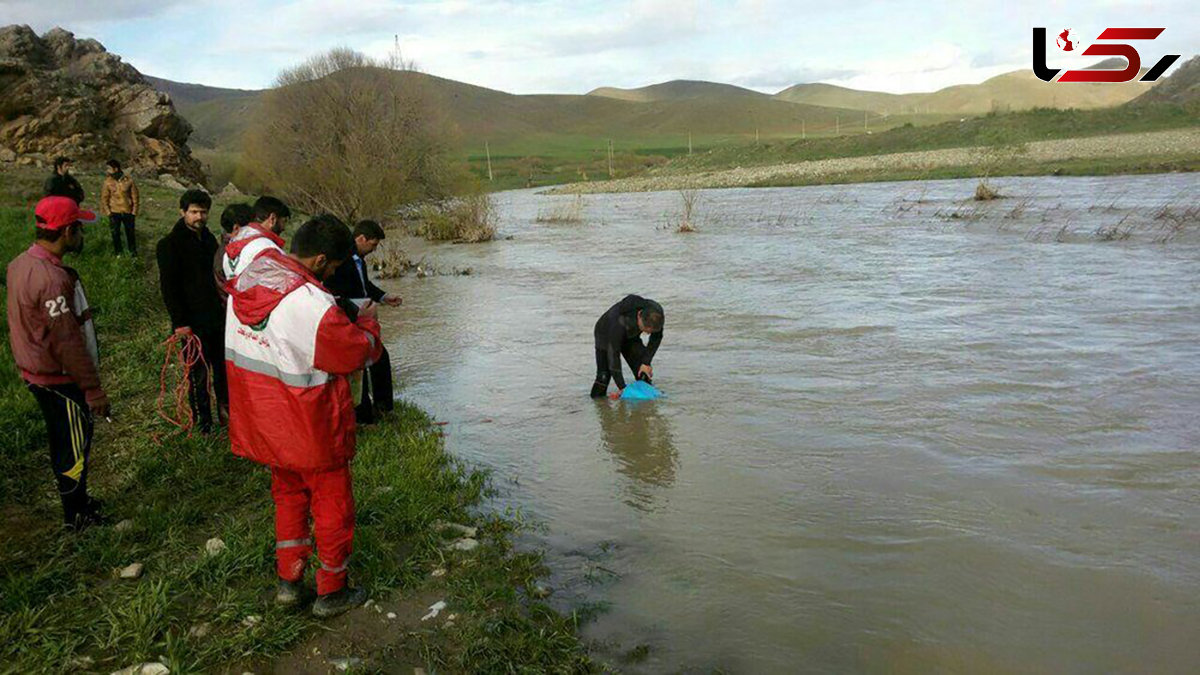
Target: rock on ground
(132, 571)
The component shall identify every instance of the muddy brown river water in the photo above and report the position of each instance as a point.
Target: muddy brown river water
(904, 432)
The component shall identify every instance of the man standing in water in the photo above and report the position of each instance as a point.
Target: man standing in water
(618, 334)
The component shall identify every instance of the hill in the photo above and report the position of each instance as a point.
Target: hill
(1183, 86)
(819, 93)
(677, 90)
(504, 119)
(1017, 90)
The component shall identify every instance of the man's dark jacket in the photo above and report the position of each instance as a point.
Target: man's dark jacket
(64, 186)
(351, 281)
(185, 272)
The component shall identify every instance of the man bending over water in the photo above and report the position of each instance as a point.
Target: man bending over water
(618, 333)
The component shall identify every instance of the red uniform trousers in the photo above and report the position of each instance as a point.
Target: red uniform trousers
(328, 496)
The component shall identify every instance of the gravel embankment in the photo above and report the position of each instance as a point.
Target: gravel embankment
(1173, 143)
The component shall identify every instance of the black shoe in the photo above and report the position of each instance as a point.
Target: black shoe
(289, 593)
(90, 514)
(599, 389)
(338, 602)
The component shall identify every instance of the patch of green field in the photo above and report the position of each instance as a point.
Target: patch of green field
(1032, 125)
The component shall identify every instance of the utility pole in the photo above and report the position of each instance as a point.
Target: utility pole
(803, 135)
(864, 120)
(756, 135)
(689, 144)
(488, 150)
(610, 158)
(837, 125)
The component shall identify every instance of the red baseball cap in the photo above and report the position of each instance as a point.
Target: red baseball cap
(55, 213)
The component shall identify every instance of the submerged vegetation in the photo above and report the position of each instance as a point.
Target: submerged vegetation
(463, 220)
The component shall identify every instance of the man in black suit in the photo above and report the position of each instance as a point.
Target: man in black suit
(352, 282)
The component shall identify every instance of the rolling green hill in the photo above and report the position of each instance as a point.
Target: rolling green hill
(534, 139)
(1018, 90)
(508, 121)
(677, 90)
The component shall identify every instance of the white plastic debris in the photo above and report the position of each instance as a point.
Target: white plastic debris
(149, 668)
(434, 609)
(465, 544)
(346, 663)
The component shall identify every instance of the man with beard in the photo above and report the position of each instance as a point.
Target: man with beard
(119, 201)
(189, 291)
(353, 282)
(291, 350)
(54, 344)
(61, 183)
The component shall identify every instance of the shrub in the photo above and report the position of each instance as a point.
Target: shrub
(464, 220)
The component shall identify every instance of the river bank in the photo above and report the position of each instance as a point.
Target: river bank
(1146, 152)
(63, 608)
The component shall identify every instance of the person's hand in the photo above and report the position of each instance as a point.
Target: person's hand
(100, 408)
(616, 394)
(368, 311)
(183, 330)
(392, 300)
(649, 372)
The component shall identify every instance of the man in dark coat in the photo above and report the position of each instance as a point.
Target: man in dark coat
(185, 272)
(61, 183)
(618, 334)
(352, 282)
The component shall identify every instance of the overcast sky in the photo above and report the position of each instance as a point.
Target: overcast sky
(573, 47)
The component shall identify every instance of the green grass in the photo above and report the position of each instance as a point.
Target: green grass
(1027, 126)
(59, 600)
(1065, 167)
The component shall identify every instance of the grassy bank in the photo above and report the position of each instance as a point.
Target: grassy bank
(1028, 126)
(63, 610)
(1144, 152)
(1098, 166)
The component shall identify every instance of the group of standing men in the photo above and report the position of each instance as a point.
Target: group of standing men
(285, 337)
(283, 334)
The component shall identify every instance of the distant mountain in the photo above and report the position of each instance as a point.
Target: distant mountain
(479, 114)
(819, 93)
(190, 94)
(1183, 86)
(677, 90)
(1017, 90)
(674, 108)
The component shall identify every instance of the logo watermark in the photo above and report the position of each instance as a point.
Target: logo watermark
(1066, 42)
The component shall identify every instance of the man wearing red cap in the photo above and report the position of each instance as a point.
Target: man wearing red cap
(54, 344)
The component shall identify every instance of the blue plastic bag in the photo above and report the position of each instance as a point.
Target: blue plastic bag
(640, 391)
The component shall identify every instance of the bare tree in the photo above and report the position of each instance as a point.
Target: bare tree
(350, 135)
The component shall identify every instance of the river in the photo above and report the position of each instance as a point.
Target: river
(905, 432)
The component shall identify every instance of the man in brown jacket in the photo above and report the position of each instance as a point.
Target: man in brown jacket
(54, 344)
(119, 201)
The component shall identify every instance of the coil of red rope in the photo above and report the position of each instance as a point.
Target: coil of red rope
(183, 353)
